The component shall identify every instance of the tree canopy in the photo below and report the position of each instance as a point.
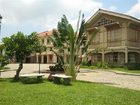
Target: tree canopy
(19, 45)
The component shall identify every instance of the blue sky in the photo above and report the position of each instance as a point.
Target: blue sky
(42, 15)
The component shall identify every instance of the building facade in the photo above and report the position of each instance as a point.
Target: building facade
(118, 39)
(47, 56)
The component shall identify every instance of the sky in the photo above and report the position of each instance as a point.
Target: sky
(43, 15)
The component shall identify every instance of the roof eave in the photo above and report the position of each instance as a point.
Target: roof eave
(113, 14)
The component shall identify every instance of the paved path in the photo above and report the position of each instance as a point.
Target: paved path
(99, 76)
(111, 78)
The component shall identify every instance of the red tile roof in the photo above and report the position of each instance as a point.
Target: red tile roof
(45, 33)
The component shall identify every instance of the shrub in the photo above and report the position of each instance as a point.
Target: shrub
(133, 66)
(86, 63)
(102, 65)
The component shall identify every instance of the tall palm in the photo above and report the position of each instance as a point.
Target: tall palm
(74, 42)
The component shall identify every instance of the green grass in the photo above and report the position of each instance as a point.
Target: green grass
(113, 69)
(79, 93)
(125, 70)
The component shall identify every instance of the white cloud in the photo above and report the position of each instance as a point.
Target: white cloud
(44, 13)
(28, 2)
(135, 10)
(112, 8)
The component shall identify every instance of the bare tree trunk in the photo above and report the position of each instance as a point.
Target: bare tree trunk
(18, 70)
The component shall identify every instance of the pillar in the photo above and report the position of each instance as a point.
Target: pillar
(126, 55)
(37, 58)
(42, 58)
(125, 32)
(103, 56)
(54, 58)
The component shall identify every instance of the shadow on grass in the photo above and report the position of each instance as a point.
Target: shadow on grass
(7, 80)
(108, 83)
(27, 81)
(3, 79)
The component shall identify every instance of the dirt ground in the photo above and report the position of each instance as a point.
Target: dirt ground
(97, 76)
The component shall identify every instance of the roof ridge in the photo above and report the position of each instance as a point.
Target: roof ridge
(122, 15)
(119, 13)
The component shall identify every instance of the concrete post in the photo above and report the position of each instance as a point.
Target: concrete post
(42, 58)
(126, 55)
(37, 58)
(103, 57)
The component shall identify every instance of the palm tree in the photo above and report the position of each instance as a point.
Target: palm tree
(74, 42)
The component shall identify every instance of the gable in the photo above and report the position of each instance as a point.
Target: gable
(103, 21)
(110, 17)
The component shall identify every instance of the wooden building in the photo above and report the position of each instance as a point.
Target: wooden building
(118, 39)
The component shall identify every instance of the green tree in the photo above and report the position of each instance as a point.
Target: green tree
(19, 46)
(75, 43)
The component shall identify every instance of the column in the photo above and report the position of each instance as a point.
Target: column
(54, 58)
(124, 35)
(103, 57)
(126, 55)
(36, 58)
(42, 58)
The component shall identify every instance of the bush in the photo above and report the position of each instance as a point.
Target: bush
(102, 65)
(132, 66)
(86, 63)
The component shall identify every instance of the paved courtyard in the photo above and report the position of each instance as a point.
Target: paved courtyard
(97, 76)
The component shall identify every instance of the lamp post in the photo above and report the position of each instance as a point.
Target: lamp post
(0, 24)
(0, 34)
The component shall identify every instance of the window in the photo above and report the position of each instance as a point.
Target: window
(114, 35)
(131, 58)
(96, 39)
(133, 35)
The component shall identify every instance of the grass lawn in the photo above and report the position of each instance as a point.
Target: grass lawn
(115, 68)
(79, 93)
(126, 70)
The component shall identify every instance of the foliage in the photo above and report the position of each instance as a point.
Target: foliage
(86, 63)
(132, 66)
(18, 46)
(71, 44)
(80, 93)
(102, 65)
(3, 61)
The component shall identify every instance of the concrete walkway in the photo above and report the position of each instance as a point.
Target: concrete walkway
(111, 78)
(97, 76)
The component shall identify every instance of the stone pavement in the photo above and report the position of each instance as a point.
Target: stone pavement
(97, 76)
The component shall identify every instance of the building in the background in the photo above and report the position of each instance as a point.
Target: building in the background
(118, 41)
(47, 56)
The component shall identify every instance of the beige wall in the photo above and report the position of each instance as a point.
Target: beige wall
(116, 35)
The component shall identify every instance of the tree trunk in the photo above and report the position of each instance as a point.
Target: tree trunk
(18, 70)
